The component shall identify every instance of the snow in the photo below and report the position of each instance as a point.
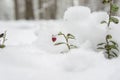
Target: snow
(31, 55)
(77, 13)
(18, 35)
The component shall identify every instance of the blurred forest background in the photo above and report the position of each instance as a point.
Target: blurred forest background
(44, 9)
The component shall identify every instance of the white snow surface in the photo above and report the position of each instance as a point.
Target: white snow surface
(31, 55)
(77, 13)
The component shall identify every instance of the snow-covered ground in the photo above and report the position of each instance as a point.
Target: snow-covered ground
(31, 55)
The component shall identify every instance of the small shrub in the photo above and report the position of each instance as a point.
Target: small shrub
(110, 46)
(67, 38)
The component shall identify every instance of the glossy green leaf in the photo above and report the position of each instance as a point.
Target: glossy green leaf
(59, 43)
(100, 48)
(73, 46)
(115, 54)
(114, 47)
(106, 1)
(2, 46)
(114, 8)
(101, 44)
(114, 20)
(108, 36)
(60, 33)
(102, 22)
(114, 43)
(108, 47)
(70, 36)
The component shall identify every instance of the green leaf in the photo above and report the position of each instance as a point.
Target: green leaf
(101, 44)
(73, 46)
(114, 20)
(2, 46)
(108, 36)
(59, 43)
(115, 54)
(114, 8)
(70, 36)
(114, 47)
(114, 43)
(108, 47)
(60, 33)
(102, 22)
(100, 48)
(106, 1)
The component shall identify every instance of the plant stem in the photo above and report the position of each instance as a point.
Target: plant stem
(67, 43)
(108, 51)
(108, 25)
(110, 14)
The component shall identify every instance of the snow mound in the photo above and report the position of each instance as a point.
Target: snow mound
(99, 16)
(77, 13)
(85, 25)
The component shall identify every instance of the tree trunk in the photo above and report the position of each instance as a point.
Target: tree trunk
(54, 10)
(16, 10)
(40, 6)
(29, 10)
(62, 6)
(19, 9)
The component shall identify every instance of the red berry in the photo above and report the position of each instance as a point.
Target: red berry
(54, 38)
